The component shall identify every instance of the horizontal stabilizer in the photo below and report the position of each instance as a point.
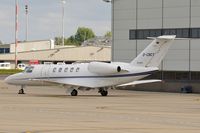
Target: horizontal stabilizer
(165, 37)
(169, 38)
(140, 82)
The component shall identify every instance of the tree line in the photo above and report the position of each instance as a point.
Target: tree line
(81, 35)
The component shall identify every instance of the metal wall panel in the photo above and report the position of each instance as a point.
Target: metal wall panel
(125, 14)
(124, 55)
(195, 55)
(124, 24)
(124, 4)
(149, 4)
(176, 65)
(124, 18)
(176, 3)
(177, 55)
(125, 45)
(195, 65)
(195, 44)
(195, 16)
(149, 23)
(149, 14)
(176, 17)
(195, 2)
(176, 14)
(180, 45)
(121, 34)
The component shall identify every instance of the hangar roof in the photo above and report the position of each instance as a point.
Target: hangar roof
(88, 53)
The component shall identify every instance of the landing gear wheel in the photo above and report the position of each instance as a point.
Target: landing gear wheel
(74, 93)
(21, 91)
(104, 93)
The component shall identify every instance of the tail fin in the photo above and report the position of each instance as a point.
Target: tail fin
(153, 54)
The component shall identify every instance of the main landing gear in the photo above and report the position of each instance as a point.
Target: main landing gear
(21, 91)
(103, 92)
(74, 92)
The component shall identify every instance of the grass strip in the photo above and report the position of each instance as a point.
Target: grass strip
(9, 71)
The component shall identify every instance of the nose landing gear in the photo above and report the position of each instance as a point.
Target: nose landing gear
(103, 91)
(21, 91)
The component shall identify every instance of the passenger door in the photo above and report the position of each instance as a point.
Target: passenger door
(45, 71)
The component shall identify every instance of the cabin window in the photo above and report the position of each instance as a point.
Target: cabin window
(72, 69)
(66, 69)
(60, 69)
(29, 69)
(54, 69)
(77, 69)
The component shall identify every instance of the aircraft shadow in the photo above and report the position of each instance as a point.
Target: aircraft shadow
(79, 96)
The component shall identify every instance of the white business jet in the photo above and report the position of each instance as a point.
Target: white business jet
(97, 75)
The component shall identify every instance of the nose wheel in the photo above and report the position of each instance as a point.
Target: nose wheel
(21, 91)
(74, 92)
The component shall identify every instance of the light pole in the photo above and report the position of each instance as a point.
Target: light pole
(63, 22)
(26, 10)
(110, 1)
(16, 31)
(112, 25)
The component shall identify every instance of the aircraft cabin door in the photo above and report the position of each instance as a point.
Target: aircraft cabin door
(45, 71)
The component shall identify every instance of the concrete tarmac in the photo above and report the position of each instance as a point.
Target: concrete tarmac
(50, 110)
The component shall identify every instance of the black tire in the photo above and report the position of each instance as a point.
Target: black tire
(74, 93)
(21, 91)
(104, 93)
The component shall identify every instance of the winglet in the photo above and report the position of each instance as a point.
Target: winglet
(166, 37)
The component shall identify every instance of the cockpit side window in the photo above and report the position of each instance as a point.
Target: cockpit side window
(29, 69)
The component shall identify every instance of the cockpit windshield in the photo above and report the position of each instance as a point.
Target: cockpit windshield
(28, 69)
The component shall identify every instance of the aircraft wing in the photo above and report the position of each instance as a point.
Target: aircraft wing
(64, 82)
(85, 84)
(140, 82)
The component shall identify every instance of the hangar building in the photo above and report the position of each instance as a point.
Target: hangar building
(45, 51)
(135, 20)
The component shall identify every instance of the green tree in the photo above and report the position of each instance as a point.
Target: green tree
(83, 34)
(71, 41)
(108, 34)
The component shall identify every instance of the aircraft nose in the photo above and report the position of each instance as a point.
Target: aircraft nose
(8, 79)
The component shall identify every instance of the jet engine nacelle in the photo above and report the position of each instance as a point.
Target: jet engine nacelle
(103, 68)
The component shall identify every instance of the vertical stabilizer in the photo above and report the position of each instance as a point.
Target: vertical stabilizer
(153, 54)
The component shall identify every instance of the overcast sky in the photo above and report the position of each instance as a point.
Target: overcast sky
(45, 18)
